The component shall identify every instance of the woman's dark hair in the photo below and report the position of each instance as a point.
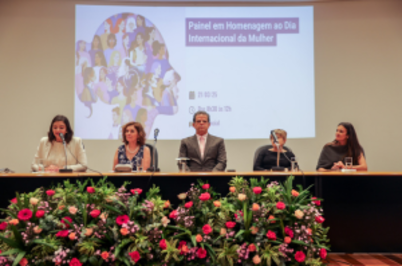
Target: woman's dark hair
(99, 43)
(110, 37)
(140, 131)
(69, 135)
(354, 148)
(102, 57)
(156, 46)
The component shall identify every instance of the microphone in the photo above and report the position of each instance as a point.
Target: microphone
(156, 132)
(65, 170)
(62, 138)
(274, 136)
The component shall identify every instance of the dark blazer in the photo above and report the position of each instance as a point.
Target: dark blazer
(214, 154)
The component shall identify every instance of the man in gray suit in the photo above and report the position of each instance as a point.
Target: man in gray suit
(206, 152)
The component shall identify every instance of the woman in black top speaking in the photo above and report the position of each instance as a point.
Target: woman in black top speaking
(268, 159)
(345, 145)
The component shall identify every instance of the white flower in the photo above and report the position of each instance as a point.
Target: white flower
(299, 214)
(242, 197)
(165, 221)
(33, 201)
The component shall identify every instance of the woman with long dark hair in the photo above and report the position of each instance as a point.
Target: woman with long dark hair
(346, 144)
(51, 150)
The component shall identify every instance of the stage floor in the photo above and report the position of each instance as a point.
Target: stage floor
(365, 259)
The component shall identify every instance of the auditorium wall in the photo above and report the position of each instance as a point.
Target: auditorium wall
(358, 78)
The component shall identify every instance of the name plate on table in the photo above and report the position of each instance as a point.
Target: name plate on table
(348, 170)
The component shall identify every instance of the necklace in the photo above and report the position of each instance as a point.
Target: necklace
(129, 151)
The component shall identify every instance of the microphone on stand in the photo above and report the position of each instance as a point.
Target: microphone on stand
(153, 167)
(277, 167)
(65, 170)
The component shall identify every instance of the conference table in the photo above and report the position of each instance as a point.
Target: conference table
(362, 209)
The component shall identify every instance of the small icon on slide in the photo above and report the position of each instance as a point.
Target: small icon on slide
(192, 95)
(191, 109)
(190, 124)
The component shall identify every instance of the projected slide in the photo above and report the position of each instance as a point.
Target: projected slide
(250, 68)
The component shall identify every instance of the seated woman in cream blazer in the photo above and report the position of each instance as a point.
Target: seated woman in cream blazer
(50, 151)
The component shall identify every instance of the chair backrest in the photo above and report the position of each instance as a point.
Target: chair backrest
(263, 148)
(151, 149)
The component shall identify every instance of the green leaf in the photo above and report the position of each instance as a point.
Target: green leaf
(239, 233)
(300, 243)
(11, 243)
(19, 258)
(93, 261)
(112, 208)
(10, 252)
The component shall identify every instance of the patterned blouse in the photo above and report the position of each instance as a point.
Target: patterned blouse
(122, 158)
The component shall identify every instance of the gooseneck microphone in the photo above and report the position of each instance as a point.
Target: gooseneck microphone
(65, 170)
(156, 132)
(275, 137)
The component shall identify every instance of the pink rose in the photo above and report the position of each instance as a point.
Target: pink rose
(299, 256)
(14, 201)
(201, 253)
(188, 205)
(64, 221)
(280, 205)
(95, 213)
(289, 231)
(271, 235)
(316, 202)
(162, 244)
(50, 192)
(319, 219)
(173, 214)
(323, 253)
(206, 186)
(207, 229)
(40, 213)
(3, 226)
(62, 233)
(205, 196)
(257, 190)
(90, 190)
(230, 225)
(75, 262)
(122, 219)
(136, 190)
(25, 214)
(135, 256)
(23, 262)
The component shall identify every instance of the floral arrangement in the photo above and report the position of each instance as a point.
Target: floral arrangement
(97, 224)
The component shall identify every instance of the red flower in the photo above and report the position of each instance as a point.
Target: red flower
(75, 262)
(173, 214)
(299, 256)
(280, 205)
(252, 247)
(271, 235)
(135, 256)
(40, 213)
(230, 225)
(257, 190)
(95, 213)
(206, 186)
(188, 205)
(181, 244)
(136, 190)
(162, 244)
(62, 233)
(25, 214)
(3, 226)
(205, 196)
(207, 229)
(90, 190)
(323, 253)
(122, 219)
(63, 221)
(50, 192)
(201, 253)
(14, 200)
(23, 262)
(316, 202)
(319, 219)
(289, 232)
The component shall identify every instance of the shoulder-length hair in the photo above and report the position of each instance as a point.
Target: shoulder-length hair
(69, 134)
(140, 131)
(353, 144)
